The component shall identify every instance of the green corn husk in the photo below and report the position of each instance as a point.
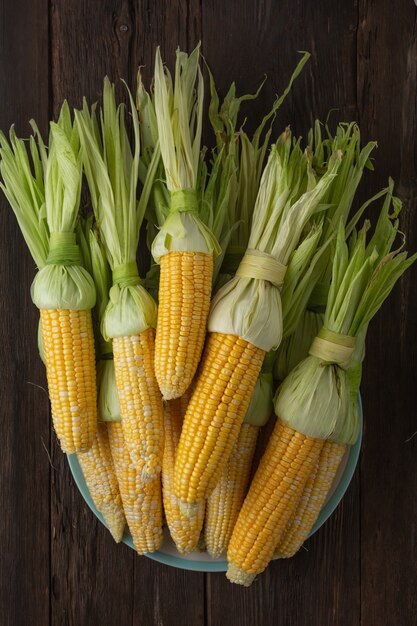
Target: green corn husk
(319, 398)
(248, 156)
(261, 404)
(59, 284)
(179, 112)
(300, 330)
(22, 166)
(107, 396)
(288, 196)
(112, 174)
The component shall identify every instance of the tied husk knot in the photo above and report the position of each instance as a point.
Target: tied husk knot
(184, 200)
(263, 266)
(63, 249)
(126, 275)
(333, 347)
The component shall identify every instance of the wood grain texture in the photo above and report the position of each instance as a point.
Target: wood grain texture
(24, 408)
(322, 583)
(88, 570)
(245, 40)
(127, 40)
(387, 96)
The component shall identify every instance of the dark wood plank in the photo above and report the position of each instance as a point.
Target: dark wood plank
(24, 409)
(81, 551)
(91, 575)
(320, 585)
(165, 596)
(258, 37)
(245, 40)
(172, 596)
(387, 90)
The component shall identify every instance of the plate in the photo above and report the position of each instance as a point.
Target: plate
(200, 561)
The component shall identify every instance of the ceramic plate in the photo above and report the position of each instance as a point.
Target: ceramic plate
(200, 561)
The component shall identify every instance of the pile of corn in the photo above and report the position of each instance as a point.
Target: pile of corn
(252, 316)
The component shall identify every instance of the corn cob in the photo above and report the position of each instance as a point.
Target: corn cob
(68, 344)
(184, 246)
(142, 500)
(315, 493)
(245, 319)
(184, 302)
(227, 378)
(224, 503)
(140, 400)
(99, 473)
(273, 496)
(129, 319)
(185, 531)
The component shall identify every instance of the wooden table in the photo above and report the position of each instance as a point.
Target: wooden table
(58, 565)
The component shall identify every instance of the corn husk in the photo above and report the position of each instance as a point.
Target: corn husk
(289, 195)
(319, 398)
(179, 112)
(248, 155)
(307, 283)
(107, 395)
(294, 348)
(112, 175)
(22, 169)
(261, 404)
(57, 285)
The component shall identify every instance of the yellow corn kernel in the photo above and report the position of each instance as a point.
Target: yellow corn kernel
(140, 400)
(142, 499)
(218, 405)
(185, 531)
(100, 476)
(273, 496)
(68, 344)
(224, 503)
(311, 502)
(184, 303)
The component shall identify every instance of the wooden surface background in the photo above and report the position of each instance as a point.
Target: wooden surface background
(58, 565)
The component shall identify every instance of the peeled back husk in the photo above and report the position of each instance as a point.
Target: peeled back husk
(184, 232)
(316, 400)
(249, 308)
(108, 399)
(131, 310)
(295, 348)
(261, 404)
(63, 287)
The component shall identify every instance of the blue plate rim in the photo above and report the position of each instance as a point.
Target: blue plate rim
(221, 566)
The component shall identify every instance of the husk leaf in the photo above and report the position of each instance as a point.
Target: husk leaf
(318, 398)
(60, 286)
(249, 307)
(112, 175)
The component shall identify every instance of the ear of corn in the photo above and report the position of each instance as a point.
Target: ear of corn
(44, 194)
(217, 408)
(224, 503)
(100, 476)
(185, 531)
(184, 245)
(68, 344)
(272, 499)
(140, 400)
(142, 500)
(112, 172)
(184, 302)
(311, 502)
